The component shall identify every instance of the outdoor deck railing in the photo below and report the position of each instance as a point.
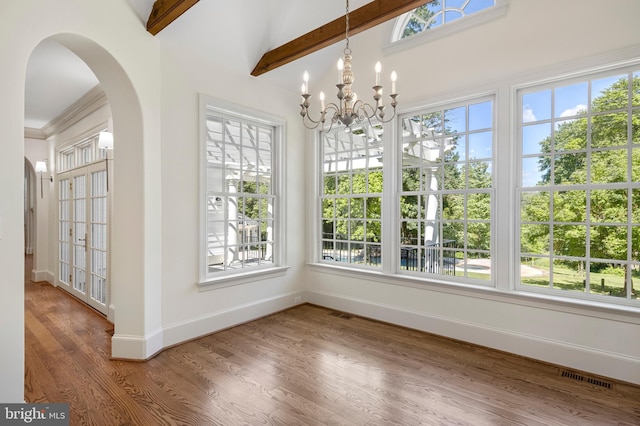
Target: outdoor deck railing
(409, 257)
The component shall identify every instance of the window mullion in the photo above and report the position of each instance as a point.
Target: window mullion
(390, 197)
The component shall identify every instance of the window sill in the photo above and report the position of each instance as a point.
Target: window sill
(244, 277)
(624, 313)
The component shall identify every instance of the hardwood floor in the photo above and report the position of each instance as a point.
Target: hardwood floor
(305, 366)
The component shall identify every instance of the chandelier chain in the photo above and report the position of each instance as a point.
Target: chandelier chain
(347, 25)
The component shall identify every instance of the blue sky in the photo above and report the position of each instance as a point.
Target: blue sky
(538, 108)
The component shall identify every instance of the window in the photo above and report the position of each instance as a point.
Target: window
(66, 159)
(351, 196)
(579, 192)
(422, 202)
(445, 192)
(441, 18)
(240, 196)
(443, 199)
(441, 12)
(80, 154)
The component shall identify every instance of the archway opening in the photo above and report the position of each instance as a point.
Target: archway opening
(126, 274)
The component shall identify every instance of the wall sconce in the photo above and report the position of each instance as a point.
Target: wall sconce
(105, 141)
(41, 167)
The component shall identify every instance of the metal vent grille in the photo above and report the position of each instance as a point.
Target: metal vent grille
(340, 315)
(591, 380)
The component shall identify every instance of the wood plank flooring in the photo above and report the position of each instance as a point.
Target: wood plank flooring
(305, 366)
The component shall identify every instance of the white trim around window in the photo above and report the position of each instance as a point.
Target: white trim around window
(580, 130)
(395, 44)
(506, 234)
(255, 250)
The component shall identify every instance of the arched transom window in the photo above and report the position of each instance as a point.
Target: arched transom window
(438, 13)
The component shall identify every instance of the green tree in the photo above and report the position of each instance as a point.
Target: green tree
(607, 163)
(419, 19)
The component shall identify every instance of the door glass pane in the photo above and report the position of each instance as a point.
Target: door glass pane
(98, 243)
(64, 234)
(79, 233)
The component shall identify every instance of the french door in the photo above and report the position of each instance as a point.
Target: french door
(82, 235)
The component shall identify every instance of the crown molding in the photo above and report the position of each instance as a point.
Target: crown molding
(93, 100)
(31, 133)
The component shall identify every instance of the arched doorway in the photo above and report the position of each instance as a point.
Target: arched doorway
(132, 84)
(65, 112)
(127, 231)
(135, 222)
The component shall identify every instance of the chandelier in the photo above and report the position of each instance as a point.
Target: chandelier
(348, 109)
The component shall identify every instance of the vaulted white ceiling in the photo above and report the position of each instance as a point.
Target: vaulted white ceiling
(240, 31)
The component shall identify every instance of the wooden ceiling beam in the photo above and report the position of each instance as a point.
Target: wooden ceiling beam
(368, 16)
(164, 12)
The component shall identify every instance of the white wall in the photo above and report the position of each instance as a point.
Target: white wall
(38, 150)
(534, 40)
(155, 207)
(127, 63)
(186, 311)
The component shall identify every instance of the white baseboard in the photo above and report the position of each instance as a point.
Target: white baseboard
(39, 276)
(111, 313)
(144, 347)
(607, 364)
(136, 347)
(200, 326)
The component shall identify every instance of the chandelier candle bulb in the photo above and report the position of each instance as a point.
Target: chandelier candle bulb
(378, 69)
(394, 78)
(321, 101)
(305, 84)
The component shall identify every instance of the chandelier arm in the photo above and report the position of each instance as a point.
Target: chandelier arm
(312, 124)
(365, 110)
(306, 118)
(331, 123)
(332, 106)
(304, 112)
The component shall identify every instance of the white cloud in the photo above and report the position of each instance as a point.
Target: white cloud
(528, 115)
(573, 111)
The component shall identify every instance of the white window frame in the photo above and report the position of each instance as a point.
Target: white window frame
(81, 153)
(505, 235)
(392, 177)
(582, 76)
(395, 28)
(358, 155)
(208, 280)
(440, 252)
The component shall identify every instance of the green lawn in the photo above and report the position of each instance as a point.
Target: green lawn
(572, 280)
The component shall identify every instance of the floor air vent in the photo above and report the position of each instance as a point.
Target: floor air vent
(579, 377)
(340, 315)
